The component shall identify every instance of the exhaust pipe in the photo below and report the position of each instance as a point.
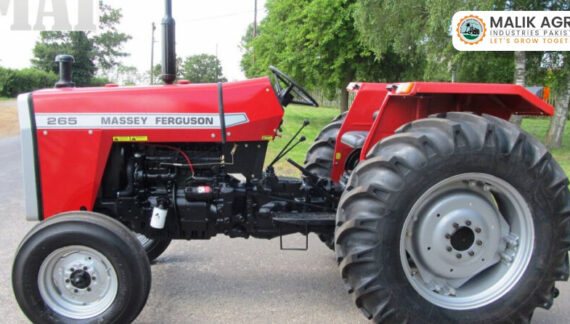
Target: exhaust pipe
(168, 45)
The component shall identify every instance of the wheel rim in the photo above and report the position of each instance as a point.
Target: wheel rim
(77, 282)
(467, 241)
(144, 240)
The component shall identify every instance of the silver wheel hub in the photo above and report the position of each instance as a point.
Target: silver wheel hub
(461, 242)
(77, 282)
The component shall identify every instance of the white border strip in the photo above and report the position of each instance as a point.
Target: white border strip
(137, 120)
(28, 158)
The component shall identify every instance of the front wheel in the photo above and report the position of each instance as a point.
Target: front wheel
(81, 267)
(153, 247)
(461, 215)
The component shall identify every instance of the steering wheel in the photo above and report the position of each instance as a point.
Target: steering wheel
(291, 92)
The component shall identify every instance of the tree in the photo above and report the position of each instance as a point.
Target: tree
(73, 43)
(560, 80)
(157, 71)
(520, 76)
(129, 75)
(202, 68)
(108, 42)
(101, 50)
(425, 40)
(317, 44)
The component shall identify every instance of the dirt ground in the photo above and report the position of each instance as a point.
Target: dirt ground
(8, 118)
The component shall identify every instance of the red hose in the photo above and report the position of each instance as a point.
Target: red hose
(174, 148)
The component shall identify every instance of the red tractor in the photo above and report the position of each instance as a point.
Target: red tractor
(438, 209)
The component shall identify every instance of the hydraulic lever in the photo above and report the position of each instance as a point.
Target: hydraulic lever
(286, 149)
(301, 139)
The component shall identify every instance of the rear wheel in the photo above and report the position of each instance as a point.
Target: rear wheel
(319, 159)
(81, 266)
(462, 215)
(153, 247)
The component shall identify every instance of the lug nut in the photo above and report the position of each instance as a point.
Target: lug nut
(468, 223)
(71, 269)
(88, 289)
(84, 268)
(458, 255)
(448, 249)
(478, 230)
(93, 278)
(471, 253)
(75, 290)
(479, 242)
(67, 280)
(455, 225)
(447, 236)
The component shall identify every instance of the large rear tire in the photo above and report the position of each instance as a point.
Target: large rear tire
(319, 159)
(459, 218)
(81, 267)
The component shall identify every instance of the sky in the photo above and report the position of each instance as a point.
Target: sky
(200, 26)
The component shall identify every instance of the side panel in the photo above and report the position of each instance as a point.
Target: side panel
(76, 128)
(359, 118)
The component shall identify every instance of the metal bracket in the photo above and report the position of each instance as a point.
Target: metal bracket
(295, 249)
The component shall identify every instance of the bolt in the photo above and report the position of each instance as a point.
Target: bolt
(75, 291)
(478, 230)
(67, 280)
(448, 249)
(84, 268)
(88, 289)
(455, 225)
(93, 278)
(471, 253)
(468, 223)
(479, 242)
(447, 236)
(71, 269)
(458, 255)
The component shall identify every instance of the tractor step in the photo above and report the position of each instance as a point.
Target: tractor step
(306, 219)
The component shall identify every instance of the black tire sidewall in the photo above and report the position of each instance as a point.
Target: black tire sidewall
(133, 281)
(156, 248)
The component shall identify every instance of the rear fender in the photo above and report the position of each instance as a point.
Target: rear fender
(426, 98)
(368, 100)
(423, 99)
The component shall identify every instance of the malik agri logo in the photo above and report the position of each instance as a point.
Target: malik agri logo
(511, 30)
(471, 30)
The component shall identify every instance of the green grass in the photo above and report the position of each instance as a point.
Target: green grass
(4, 98)
(538, 127)
(319, 117)
(293, 119)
